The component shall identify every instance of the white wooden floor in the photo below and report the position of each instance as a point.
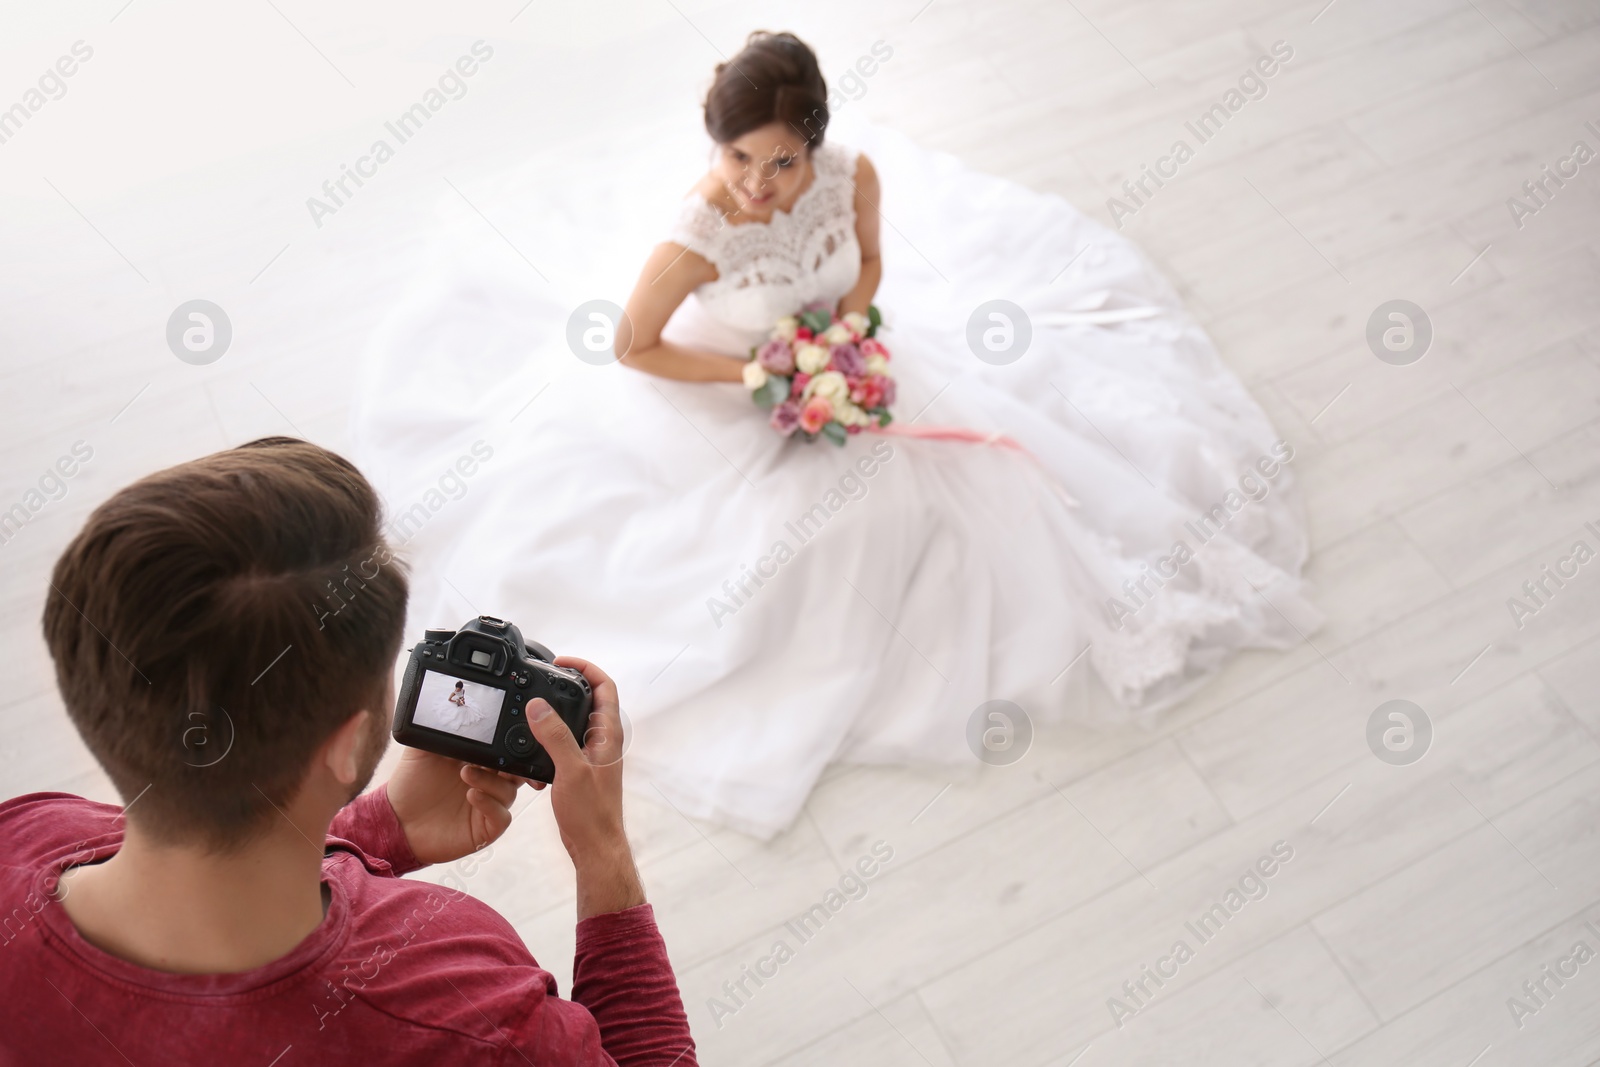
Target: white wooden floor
(1378, 165)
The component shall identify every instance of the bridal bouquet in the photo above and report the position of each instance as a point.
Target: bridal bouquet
(822, 375)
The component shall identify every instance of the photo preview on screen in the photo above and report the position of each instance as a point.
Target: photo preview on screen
(457, 706)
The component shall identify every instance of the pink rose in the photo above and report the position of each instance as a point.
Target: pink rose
(776, 356)
(786, 417)
(848, 360)
(888, 391)
(798, 386)
(867, 393)
(873, 347)
(817, 413)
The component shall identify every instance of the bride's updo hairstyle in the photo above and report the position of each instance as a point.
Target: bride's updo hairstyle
(774, 79)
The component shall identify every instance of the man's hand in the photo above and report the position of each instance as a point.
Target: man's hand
(586, 796)
(449, 809)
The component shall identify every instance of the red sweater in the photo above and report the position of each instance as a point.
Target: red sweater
(399, 972)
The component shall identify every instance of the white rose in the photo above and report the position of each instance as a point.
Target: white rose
(857, 322)
(830, 385)
(755, 375)
(876, 364)
(837, 334)
(786, 327)
(847, 413)
(810, 358)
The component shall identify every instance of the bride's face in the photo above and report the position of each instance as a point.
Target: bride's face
(765, 168)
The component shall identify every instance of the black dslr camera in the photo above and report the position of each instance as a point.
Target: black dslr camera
(466, 691)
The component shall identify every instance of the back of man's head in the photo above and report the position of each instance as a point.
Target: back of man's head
(246, 600)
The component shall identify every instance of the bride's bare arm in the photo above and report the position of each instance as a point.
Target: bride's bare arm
(670, 274)
(866, 183)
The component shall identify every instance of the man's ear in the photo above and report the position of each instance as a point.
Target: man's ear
(341, 753)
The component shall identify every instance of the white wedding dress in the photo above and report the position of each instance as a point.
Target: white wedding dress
(637, 521)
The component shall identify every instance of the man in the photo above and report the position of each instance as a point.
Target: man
(245, 907)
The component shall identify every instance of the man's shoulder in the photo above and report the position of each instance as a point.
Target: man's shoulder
(435, 957)
(422, 918)
(40, 826)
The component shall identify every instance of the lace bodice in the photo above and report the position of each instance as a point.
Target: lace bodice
(766, 270)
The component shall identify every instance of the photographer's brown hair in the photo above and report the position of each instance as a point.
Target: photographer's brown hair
(774, 79)
(248, 594)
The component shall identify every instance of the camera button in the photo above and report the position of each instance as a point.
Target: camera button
(518, 741)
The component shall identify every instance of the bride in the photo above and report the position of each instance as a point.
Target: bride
(771, 605)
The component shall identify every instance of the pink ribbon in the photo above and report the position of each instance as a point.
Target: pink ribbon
(975, 437)
(949, 433)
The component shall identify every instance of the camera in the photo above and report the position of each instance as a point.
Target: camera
(466, 692)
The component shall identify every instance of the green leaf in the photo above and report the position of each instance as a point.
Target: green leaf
(771, 394)
(816, 321)
(886, 418)
(834, 432)
(874, 320)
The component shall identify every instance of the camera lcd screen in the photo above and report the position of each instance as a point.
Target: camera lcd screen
(456, 706)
